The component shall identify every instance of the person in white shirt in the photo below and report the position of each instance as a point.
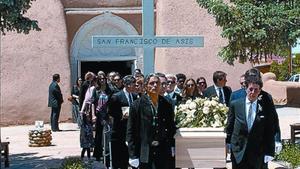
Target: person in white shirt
(250, 128)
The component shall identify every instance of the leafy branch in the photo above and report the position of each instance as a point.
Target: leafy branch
(12, 16)
(255, 29)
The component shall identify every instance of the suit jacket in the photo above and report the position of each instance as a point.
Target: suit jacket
(83, 88)
(115, 104)
(254, 144)
(241, 93)
(267, 98)
(55, 98)
(175, 99)
(140, 130)
(211, 92)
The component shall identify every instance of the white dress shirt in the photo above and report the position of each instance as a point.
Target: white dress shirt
(253, 113)
(218, 93)
(127, 94)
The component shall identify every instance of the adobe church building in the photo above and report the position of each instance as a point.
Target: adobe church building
(64, 46)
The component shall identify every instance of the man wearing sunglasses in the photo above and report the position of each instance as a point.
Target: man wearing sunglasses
(179, 83)
(170, 90)
(150, 128)
(267, 99)
(240, 92)
(250, 128)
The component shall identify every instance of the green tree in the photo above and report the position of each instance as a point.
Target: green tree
(12, 16)
(296, 64)
(281, 70)
(255, 29)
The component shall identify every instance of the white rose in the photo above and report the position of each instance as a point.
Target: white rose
(183, 107)
(205, 110)
(190, 113)
(206, 103)
(188, 102)
(214, 103)
(192, 105)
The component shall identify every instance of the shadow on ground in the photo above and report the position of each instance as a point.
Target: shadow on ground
(28, 161)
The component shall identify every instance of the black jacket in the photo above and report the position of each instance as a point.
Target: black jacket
(55, 98)
(115, 104)
(211, 92)
(140, 129)
(259, 141)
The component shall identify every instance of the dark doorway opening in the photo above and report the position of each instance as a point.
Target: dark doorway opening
(123, 67)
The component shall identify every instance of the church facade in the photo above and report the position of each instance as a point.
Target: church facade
(64, 46)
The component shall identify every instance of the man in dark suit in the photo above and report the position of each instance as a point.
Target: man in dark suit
(240, 92)
(55, 99)
(170, 90)
(118, 101)
(151, 128)
(250, 128)
(219, 89)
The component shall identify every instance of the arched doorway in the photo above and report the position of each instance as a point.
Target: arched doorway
(82, 53)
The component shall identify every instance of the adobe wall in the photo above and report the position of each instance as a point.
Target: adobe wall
(175, 17)
(283, 92)
(29, 61)
(27, 65)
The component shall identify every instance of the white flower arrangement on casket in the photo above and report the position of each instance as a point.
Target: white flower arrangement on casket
(201, 112)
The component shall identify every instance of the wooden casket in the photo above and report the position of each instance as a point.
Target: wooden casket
(200, 148)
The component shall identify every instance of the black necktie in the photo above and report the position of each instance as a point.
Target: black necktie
(130, 99)
(221, 100)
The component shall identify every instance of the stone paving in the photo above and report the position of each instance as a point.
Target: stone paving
(66, 143)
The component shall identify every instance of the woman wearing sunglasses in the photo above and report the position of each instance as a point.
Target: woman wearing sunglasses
(190, 90)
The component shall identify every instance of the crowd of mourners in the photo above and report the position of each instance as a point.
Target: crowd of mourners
(137, 112)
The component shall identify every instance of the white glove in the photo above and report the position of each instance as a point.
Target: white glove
(134, 162)
(228, 147)
(268, 158)
(173, 151)
(278, 147)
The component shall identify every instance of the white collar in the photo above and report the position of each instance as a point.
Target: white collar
(217, 87)
(170, 94)
(249, 102)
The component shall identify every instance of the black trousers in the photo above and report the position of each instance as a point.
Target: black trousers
(159, 157)
(119, 154)
(98, 150)
(246, 164)
(55, 112)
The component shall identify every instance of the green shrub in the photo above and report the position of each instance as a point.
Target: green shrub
(73, 163)
(296, 64)
(291, 154)
(281, 70)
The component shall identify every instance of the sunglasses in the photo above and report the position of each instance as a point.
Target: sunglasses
(190, 85)
(170, 82)
(164, 84)
(201, 83)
